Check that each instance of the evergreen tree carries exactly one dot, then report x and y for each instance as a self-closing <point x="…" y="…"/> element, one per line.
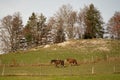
<point x="60" y="36"/>
<point x="41" y="30"/>
<point x="31" y="29"/>
<point x="94" y="23"/>
<point x="35" y="29"/>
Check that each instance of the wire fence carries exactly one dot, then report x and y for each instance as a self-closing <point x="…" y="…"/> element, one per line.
<point x="67" y="70"/>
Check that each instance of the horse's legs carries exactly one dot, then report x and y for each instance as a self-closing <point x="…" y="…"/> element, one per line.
<point x="75" y="62"/>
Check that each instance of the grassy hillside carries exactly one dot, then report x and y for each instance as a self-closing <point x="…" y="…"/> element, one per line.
<point x="82" y="50"/>
<point x="95" y="56"/>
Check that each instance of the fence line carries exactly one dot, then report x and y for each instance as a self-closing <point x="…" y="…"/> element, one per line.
<point x="70" y="71"/>
<point x="3" y="71"/>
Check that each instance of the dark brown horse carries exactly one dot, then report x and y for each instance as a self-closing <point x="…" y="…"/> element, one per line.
<point x="72" y="61"/>
<point x="57" y="62"/>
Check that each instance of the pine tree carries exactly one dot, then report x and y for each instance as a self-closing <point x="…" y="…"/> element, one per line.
<point x="35" y="29"/>
<point x="60" y="36"/>
<point x="41" y="30"/>
<point x="31" y="29"/>
<point x="94" y="23"/>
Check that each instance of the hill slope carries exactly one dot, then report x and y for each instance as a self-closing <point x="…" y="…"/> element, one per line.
<point x="82" y="50"/>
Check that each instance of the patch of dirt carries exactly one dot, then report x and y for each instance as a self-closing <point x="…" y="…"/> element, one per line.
<point x="46" y="46"/>
<point x="97" y="44"/>
<point x="63" y="44"/>
<point x="102" y="49"/>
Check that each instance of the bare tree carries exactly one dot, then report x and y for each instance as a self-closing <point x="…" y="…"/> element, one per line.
<point x="114" y="25"/>
<point x="17" y="28"/>
<point x="72" y="21"/>
<point x="68" y="17"/>
<point x="10" y="31"/>
<point x="81" y="21"/>
<point x="52" y="27"/>
<point x="6" y="33"/>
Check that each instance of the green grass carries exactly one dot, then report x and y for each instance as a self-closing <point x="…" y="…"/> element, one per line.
<point x="81" y="77"/>
<point x="79" y="50"/>
<point x="102" y="67"/>
<point x="105" y="52"/>
<point x="82" y="50"/>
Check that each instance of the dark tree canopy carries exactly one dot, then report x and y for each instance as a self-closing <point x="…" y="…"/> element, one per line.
<point x="94" y="23"/>
<point x="36" y="29"/>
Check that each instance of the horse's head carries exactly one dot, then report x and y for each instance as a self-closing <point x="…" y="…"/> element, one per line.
<point x="53" y="61"/>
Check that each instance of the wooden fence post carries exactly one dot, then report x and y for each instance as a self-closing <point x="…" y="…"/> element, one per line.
<point x="107" y="57"/>
<point x="0" y="62"/>
<point x="114" y="69"/>
<point x="3" y="70"/>
<point x="92" y="60"/>
<point x="93" y="71"/>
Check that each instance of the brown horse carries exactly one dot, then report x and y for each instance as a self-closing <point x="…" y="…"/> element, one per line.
<point x="57" y="62"/>
<point x="72" y="61"/>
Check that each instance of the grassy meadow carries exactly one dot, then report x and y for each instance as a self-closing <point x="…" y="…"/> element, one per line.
<point x="98" y="59"/>
<point x="82" y="77"/>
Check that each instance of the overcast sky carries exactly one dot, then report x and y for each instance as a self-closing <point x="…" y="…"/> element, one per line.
<point x="49" y="7"/>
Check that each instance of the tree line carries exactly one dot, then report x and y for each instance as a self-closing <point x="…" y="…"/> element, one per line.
<point x="65" y="24"/>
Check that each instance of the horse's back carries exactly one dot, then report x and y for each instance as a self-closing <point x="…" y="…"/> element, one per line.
<point x="71" y="60"/>
<point x="53" y="61"/>
<point x="58" y="62"/>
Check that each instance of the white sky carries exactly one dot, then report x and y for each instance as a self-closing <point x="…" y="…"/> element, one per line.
<point x="49" y="7"/>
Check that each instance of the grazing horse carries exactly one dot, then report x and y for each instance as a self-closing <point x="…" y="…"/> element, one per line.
<point x="57" y="62"/>
<point x="71" y="61"/>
